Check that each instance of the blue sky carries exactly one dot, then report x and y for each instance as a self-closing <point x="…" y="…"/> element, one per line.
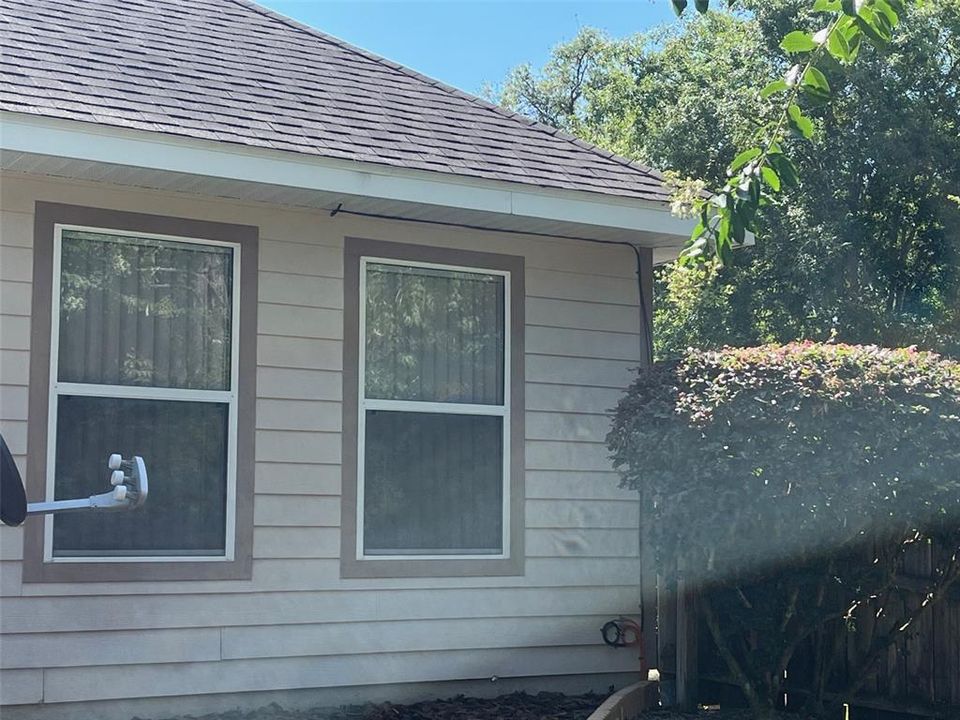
<point x="469" y="42"/>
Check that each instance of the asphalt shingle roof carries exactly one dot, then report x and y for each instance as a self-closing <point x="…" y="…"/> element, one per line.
<point x="232" y="71"/>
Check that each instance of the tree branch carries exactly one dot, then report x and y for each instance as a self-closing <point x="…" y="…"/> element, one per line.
<point x="758" y="706"/>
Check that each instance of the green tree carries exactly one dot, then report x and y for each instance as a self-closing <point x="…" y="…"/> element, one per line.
<point x="865" y="249"/>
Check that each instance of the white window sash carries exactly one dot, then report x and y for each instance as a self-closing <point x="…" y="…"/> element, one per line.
<point x="144" y="392"/>
<point x="364" y="404"/>
<point x="434" y="407"/>
<point x="224" y="397"/>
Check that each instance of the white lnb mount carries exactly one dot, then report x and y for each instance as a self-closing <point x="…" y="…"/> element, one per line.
<point x="129" y="481"/>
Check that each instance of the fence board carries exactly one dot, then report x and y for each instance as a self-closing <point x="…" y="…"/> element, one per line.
<point x="918" y="676"/>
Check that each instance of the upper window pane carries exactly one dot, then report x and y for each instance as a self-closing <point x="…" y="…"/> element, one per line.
<point x="434" y="335"/>
<point x="142" y="311"/>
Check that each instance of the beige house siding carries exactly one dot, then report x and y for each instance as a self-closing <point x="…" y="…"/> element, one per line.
<point x="296" y="623"/>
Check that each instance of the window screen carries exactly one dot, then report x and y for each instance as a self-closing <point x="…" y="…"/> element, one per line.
<point x="144" y="355"/>
<point x="433" y="410"/>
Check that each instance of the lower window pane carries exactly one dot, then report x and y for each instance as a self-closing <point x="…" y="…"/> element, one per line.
<point x="433" y="484"/>
<point x="184" y="446"/>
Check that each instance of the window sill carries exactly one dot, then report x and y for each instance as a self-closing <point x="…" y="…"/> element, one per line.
<point x="136" y="571"/>
<point x="370" y="568"/>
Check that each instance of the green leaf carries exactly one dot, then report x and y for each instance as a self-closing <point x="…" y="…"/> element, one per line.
<point x="814" y="77"/>
<point x="881" y="21"/>
<point x="771" y="178"/>
<point x="774" y="87"/>
<point x="697" y="231"/>
<point x="694" y="252"/>
<point x="679" y="6"/>
<point x="738" y="230"/>
<point x="747" y="212"/>
<point x="702" y="5"/>
<point x="844" y="24"/>
<point x="743" y="158"/>
<point x="838" y="46"/>
<point x="853" y="37"/>
<point x="800" y="123"/>
<point x="798" y="42"/>
<point x="815" y="84"/>
<point x="875" y="26"/>
<point x="785" y="169"/>
<point x="886" y="9"/>
<point x="849" y="7"/>
<point x="827" y="6"/>
<point x="723" y="238"/>
<point x="872" y="33"/>
<point x="725" y="253"/>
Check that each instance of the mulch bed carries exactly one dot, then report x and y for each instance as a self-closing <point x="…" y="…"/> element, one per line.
<point x="711" y="714"/>
<point x="516" y="706"/>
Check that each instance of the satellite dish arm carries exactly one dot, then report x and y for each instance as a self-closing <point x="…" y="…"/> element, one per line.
<point x="128" y="478"/>
<point x="130" y="488"/>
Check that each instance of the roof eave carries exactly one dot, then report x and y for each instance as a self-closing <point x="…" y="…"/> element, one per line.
<point x="644" y="222"/>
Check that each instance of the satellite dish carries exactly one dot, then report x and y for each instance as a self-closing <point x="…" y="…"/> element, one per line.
<point x="128" y="479"/>
<point x="13" y="499"/>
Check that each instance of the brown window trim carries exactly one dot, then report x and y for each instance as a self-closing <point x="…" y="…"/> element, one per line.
<point x="350" y="565"/>
<point x="47" y="216"/>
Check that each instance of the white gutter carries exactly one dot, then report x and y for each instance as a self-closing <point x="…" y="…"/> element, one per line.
<point x="20" y="132"/>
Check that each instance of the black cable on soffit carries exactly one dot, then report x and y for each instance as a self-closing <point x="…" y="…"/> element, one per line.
<point x="646" y="333"/>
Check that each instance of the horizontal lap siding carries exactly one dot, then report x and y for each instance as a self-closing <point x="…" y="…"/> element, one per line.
<point x="302" y="353"/>
<point x="295" y="479"/>
<point x="278" y="288"/>
<point x="120" y="647"/>
<point x="235" y="676"/>
<point x="21" y="687"/>
<point x="14" y="367"/>
<point x="409" y="636"/>
<point x="296" y="623"/>
<point x="306" y="415"/>
<point x="309" y="575"/>
<point x="15" y="433"/>
<point x="75" y="613"/>
<point x="15" y="297"/>
<point x="281" y="543"/>
<point x="16" y="273"/>
<point x="16" y="332"/>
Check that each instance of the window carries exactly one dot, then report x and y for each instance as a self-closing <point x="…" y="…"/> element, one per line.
<point x="145" y="358"/>
<point x="145" y="346"/>
<point x="434" y="458"/>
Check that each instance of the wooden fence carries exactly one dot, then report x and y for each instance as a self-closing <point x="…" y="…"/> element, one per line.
<point x="918" y="676"/>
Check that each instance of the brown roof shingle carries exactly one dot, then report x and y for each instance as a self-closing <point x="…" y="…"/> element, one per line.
<point x="232" y="71"/>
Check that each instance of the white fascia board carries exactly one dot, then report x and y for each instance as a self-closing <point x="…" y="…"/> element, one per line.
<point x="100" y="143"/>
<point x="609" y="214"/>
